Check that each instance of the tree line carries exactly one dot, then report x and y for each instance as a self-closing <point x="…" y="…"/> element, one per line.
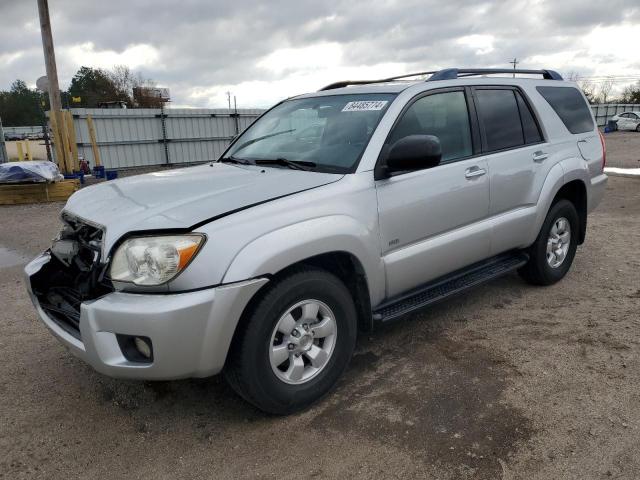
<point x="89" y="88"/>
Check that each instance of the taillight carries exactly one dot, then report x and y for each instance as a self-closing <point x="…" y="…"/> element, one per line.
<point x="604" y="150"/>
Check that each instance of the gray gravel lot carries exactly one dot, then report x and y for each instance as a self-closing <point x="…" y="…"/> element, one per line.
<point x="508" y="381"/>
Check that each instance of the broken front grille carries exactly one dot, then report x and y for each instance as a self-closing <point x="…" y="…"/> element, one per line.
<point x="74" y="274"/>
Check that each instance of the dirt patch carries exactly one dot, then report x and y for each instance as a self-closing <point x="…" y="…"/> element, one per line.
<point x="442" y="402"/>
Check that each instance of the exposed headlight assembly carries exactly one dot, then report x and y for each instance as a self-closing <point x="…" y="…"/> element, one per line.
<point x="154" y="260"/>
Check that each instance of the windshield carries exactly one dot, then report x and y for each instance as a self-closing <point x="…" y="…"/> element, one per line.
<point x="326" y="133"/>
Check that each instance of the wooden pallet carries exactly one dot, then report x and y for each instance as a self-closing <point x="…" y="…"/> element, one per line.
<point x="18" y="193"/>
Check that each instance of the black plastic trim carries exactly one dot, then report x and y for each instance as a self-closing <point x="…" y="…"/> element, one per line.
<point x="449" y="285"/>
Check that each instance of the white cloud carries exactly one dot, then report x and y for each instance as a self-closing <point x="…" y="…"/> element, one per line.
<point x="86" y="54"/>
<point x="481" y="44"/>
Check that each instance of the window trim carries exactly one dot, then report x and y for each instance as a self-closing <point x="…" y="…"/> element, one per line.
<point x="473" y="128"/>
<point x="527" y="101"/>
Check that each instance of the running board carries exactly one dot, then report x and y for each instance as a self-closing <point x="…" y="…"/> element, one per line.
<point x="449" y="285"/>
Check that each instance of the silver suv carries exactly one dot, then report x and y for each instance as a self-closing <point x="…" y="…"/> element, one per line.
<point x="334" y="212"/>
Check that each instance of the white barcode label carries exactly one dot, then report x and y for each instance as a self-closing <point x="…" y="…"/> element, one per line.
<point x="364" y="106"/>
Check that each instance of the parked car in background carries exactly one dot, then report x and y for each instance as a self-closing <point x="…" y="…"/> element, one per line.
<point x="628" y="121"/>
<point x="334" y="212"/>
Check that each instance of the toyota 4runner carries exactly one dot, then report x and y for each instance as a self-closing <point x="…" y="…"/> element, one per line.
<point x="335" y="211"/>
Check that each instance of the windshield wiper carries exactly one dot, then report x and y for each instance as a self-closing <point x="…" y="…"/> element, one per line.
<point x="264" y="137"/>
<point x="293" y="164"/>
<point x="233" y="159"/>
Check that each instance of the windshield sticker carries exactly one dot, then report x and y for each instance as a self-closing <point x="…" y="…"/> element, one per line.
<point x="364" y="106"/>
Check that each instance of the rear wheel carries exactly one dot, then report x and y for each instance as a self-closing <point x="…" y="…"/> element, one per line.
<point x="638" y="128"/>
<point x="551" y="255"/>
<point x="294" y="343"/>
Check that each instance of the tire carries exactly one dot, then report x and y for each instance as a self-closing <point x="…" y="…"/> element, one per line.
<point x="250" y="369"/>
<point x="638" y="128"/>
<point x="540" y="269"/>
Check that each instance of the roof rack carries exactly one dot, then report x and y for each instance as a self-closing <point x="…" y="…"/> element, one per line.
<point x="449" y="74"/>
<point x="453" y="73"/>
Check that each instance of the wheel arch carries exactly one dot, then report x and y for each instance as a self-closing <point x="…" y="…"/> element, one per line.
<point x="576" y="192"/>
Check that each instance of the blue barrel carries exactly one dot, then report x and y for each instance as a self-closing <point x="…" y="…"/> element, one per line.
<point x="111" y="174"/>
<point x="98" y="171"/>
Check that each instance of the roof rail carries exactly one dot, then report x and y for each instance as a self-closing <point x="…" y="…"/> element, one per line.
<point x="448" y="74"/>
<point x="346" y="83"/>
<point x="453" y="73"/>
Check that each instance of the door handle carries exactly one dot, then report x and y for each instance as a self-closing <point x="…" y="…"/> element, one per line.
<point x="473" y="172"/>
<point x="540" y="156"/>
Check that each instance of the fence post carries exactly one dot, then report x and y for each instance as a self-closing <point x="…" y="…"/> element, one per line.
<point x="27" y="145"/>
<point x="4" y="157"/>
<point x="164" y="134"/>
<point x="94" y="144"/>
<point x="73" y="146"/>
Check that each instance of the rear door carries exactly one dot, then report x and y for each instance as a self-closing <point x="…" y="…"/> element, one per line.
<point x="517" y="156"/>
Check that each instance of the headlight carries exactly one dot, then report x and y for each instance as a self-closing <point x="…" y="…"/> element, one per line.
<point x="154" y="260"/>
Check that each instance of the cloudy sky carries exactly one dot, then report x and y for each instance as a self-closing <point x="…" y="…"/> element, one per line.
<point x="265" y="51"/>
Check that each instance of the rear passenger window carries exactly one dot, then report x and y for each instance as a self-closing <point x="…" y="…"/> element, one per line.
<point x="529" y="126"/>
<point x="499" y="115"/>
<point x="570" y="106"/>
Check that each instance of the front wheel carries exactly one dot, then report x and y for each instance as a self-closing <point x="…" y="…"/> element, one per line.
<point x="552" y="253"/>
<point x="294" y="343"/>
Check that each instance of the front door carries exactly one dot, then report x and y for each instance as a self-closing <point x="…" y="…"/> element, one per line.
<point x="434" y="221"/>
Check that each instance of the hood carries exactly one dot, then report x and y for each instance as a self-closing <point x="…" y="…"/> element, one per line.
<point x="186" y="197"/>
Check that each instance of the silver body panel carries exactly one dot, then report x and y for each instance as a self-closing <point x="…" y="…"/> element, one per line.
<point x="404" y="230"/>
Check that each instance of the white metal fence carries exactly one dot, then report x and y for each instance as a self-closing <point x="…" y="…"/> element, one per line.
<point x="23" y="130"/>
<point x="145" y="136"/>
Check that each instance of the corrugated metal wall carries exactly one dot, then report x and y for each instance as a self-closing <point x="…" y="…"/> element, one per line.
<point x="143" y="137"/>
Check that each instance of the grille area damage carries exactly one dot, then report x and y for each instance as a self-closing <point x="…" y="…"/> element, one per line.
<point x="73" y="275"/>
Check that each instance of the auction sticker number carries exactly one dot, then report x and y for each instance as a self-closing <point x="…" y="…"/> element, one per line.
<point x="364" y="106"/>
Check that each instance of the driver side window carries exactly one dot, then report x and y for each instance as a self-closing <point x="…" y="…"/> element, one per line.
<point x="444" y="115"/>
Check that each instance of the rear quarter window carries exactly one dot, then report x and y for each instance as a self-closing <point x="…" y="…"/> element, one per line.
<point x="570" y="106"/>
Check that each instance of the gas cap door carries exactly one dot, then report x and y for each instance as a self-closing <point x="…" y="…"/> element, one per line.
<point x="590" y="147"/>
<point x="591" y="151"/>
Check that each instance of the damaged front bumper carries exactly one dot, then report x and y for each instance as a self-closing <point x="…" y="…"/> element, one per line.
<point x="189" y="333"/>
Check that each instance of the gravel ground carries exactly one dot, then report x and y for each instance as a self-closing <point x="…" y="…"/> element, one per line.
<point x="623" y="149"/>
<point x="508" y="381"/>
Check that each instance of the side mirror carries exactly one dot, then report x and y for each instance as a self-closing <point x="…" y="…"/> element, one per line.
<point x="414" y="152"/>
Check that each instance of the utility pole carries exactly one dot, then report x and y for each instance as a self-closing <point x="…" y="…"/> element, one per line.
<point x="514" y="63"/>
<point x="229" y="100"/>
<point x="54" y="89"/>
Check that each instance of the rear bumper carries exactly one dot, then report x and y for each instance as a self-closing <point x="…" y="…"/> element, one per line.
<point x="190" y="332"/>
<point x="596" y="191"/>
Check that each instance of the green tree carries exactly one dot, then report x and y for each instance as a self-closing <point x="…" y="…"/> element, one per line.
<point x="21" y="106"/>
<point x="631" y="94"/>
<point x="94" y="86"/>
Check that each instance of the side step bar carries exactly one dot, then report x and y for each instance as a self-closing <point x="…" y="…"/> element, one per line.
<point x="449" y="285"/>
